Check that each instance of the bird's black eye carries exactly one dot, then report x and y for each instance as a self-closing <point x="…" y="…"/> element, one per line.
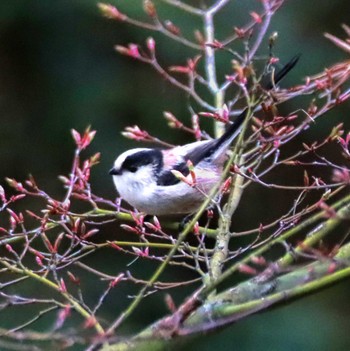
<point x="132" y="169"/>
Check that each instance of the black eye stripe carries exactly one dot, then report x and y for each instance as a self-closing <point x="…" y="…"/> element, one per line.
<point x="143" y="158"/>
<point x="132" y="169"/>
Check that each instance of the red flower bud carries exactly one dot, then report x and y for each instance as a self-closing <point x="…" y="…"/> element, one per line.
<point x="256" y="17"/>
<point x="244" y="268"/>
<point x="151" y="45"/>
<point x="62" y="286"/>
<point x="172" y="28"/>
<point x="116" y="280"/>
<point x="149" y="8"/>
<point x="111" y="12"/>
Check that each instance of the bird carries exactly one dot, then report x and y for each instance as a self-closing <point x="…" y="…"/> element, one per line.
<point x="145" y="179"/>
<point x="148" y="178"/>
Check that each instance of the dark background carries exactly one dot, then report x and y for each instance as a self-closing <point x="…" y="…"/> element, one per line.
<point x="58" y="70"/>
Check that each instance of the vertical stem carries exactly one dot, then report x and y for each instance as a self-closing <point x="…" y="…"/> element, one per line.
<point x="210" y="52"/>
<point x="219" y="102"/>
<point x="210" y="66"/>
<point x="223" y="236"/>
<point x="223" y="233"/>
<point x="218" y="6"/>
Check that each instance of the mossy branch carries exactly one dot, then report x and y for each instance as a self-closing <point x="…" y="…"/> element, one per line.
<point x="247" y="298"/>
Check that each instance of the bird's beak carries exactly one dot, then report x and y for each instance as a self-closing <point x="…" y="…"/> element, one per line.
<point x="115" y="171"/>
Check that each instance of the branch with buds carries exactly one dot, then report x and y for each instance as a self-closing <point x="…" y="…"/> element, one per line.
<point x="51" y="242"/>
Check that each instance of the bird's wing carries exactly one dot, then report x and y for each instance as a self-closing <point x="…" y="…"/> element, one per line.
<point x="176" y="159"/>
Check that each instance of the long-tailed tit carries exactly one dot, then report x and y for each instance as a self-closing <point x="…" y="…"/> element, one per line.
<point x="145" y="179"/>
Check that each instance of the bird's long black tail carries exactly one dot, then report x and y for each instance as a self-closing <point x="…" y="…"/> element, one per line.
<point x="281" y="73"/>
<point x="233" y="129"/>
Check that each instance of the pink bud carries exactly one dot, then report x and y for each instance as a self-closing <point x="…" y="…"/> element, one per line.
<point x="199" y="37"/>
<point x="151" y="226"/>
<point x="292" y="117"/>
<point x="240" y="32"/>
<point x="87" y="138"/>
<point x="226" y="186"/>
<point x="196" y="127"/>
<point x="90" y="322"/>
<point x="128" y="228"/>
<point x="273" y="60"/>
<point x="172" y="28"/>
<point x="138" y="218"/>
<point x="13" y="223"/>
<point x="134" y="51"/>
<point x="192" y="63"/>
<point x="114" y="246"/>
<point x="244" y="268"/>
<point x="170" y="303"/>
<point x="347" y="139"/>
<point x="215" y="45"/>
<point x="17" y="197"/>
<point x="62" y="316"/>
<point x="210" y="213"/>
<point x="156" y="222"/>
<point x="39" y="261"/>
<point x="36" y="253"/>
<point x="139" y="252"/>
<point x="16" y="218"/>
<point x="76" y="137"/>
<point x="196" y="229"/>
<point x="236" y="169"/>
<point x="73" y="278"/>
<point x="259" y="260"/>
<point x="256" y="17"/>
<point x="9" y="248"/>
<point x="151" y="45"/>
<point x="111" y="12"/>
<point x="224" y="113"/>
<point x="320" y="84"/>
<point x="180" y="69"/>
<point x="116" y="280"/>
<point x="341" y="175"/>
<point x="192" y="171"/>
<point x="90" y="233"/>
<point x="173" y="122"/>
<point x="149" y="8"/>
<point x="62" y="286"/>
<point x="135" y="133"/>
<point x="14" y="184"/>
<point x="215" y="115"/>
<point x="58" y="242"/>
<point x="332" y="267"/>
<point x="122" y="49"/>
<point x="2" y="194"/>
<point x="276" y="143"/>
<point x="329" y="212"/>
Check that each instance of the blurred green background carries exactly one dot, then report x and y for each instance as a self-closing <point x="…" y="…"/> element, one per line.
<point x="58" y="70"/>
